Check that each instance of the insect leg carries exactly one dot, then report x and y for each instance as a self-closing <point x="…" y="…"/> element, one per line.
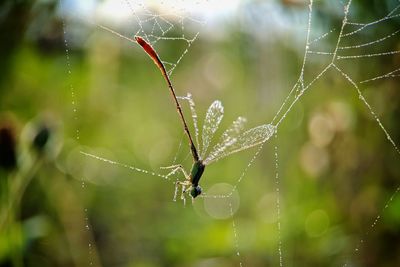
<point x="176" y="168"/>
<point x="185" y="184"/>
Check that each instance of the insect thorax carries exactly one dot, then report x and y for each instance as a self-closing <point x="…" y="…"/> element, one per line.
<point x="196" y="172"/>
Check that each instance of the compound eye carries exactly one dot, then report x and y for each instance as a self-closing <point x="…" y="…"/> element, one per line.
<point x="195" y="191"/>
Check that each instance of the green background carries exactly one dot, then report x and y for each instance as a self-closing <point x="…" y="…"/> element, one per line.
<point x="337" y="170"/>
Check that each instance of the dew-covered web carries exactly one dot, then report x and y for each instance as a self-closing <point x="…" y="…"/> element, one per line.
<point x="161" y="27"/>
<point x="177" y="25"/>
<point x="157" y="27"/>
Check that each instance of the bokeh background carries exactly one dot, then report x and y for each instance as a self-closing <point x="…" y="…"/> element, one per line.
<point x="68" y="85"/>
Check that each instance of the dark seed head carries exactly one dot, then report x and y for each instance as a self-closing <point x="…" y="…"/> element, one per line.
<point x="195" y="191"/>
<point x="8" y="145"/>
<point x="41" y="138"/>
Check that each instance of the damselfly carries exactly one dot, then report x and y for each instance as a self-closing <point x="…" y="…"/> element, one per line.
<point x="232" y="140"/>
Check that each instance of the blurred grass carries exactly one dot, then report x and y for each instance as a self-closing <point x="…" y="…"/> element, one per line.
<point x="336" y="168"/>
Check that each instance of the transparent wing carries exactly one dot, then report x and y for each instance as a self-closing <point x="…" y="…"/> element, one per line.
<point x="248" y="139"/>
<point x="194" y="117"/>
<point x="229" y="136"/>
<point x="213" y="118"/>
<point x="192" y="106"/>
<point x="231" y="133"/>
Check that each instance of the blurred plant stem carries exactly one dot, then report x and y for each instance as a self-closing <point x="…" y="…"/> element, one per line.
<point x="13" y="189"/>
<point x="72" y="215"/>
<point x="62" y="197"/>
<point x="36" y="160"/>
<point x="17" y="184"/>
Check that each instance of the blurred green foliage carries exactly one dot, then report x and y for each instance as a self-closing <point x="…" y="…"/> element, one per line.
<point x="337" y="171"/>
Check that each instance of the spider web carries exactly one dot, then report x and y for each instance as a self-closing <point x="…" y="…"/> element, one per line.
<point x="158" y="27"/>
<point x="164" y="27"/>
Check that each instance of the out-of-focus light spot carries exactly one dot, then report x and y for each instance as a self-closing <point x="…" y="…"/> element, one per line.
<point x="342" y="115"/>
<point x="314" y="160"/>
<point x="221" y="208"/>
<point x="267" y="208"/>
<point x="321" y="129"/>
<point x="317" y="223"/>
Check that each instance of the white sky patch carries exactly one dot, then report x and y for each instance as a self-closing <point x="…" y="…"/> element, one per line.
<point x="122" y="11"/>
<point x="116" y="12"/>
<point x="80" y="9"/>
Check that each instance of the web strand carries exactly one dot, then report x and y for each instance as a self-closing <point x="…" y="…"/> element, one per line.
<point x="362" y="98"/>
<point x="387" y="17"/>
<point x="370" y="43"/>
<point x="374" y="223"/>
<point x="235" y="234"/>
<point x="387" y="75"/>
<point x="278" y="203"/>
<point x="126" y="166"/>
<point x="160" y="28"/>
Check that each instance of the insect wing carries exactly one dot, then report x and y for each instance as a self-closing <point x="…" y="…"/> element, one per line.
<point x="248" y="139"/>
<point x="213" y="118"/>
<point x="194" y="118"/>
<point x="228" y="137"/>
